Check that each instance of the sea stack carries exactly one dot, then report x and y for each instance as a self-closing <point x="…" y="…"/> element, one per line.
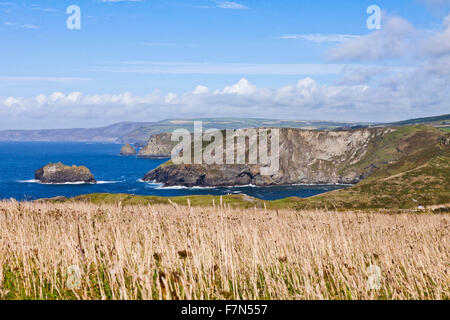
<point x="159" y="146"/>
<point x="127" y="150"/>
<point x="54" y="173"/>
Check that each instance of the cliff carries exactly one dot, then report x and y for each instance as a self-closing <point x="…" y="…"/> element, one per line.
<point x="306" y="157"/>
<point x="159" y="146"/>
<point x="60" y="173"/>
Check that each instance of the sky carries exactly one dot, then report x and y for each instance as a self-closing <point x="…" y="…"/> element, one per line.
<point x="148" y="60"/>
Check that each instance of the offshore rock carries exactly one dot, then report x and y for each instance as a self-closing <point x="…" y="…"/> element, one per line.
<point x="159" y="146"/>
<point x="127" y="150"/>
<point x="55" y="173"/>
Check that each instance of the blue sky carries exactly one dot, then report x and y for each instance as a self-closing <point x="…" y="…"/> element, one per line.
<point x="152" y="59"/>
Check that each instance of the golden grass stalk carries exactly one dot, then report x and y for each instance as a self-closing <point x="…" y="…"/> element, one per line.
<point x="85" y="251"/>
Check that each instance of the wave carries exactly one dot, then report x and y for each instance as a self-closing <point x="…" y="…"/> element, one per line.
<point x="66" y="183"/>
<point x="246" y="186"/>
<point x="161" y="187"/>
<point x="150" y="183"/>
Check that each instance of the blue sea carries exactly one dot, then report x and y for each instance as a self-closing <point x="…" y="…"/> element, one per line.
<point x="114" y="173"/>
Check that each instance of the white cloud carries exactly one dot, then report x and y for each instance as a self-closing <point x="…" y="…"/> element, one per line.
<point x="392" y="41"/>
<point x="392" y="98"/>
<point x="223" y="5"/>
<point x="231" y="5"/>
<point x="11" y="101"/>
<point x="243" y="87"/>
<point x="428" y="51"/>
<point x="57" y="96"/>
<point x="321" y="38"/>
<point x="355" y="75"/>
<point x="41" y="99"/>
<point x="74" y="97"/>
<point x="23" y="26"/>
<point x="439" y="44"/>
<point x="201" y="90"/>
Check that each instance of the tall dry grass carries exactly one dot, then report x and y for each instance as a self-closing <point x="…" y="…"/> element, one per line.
<point x="170" y="252"/>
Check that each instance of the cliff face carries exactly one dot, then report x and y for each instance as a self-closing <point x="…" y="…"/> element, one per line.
<point x="306" y="157"/>
<point x="60" y="173"/>
<point x="159" y="146"/>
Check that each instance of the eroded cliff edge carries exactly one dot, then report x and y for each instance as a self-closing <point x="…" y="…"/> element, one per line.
<point x="306" y="157"/>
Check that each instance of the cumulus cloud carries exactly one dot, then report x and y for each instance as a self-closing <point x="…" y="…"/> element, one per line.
<point x="243" y="87"/>
<point x="391" y="99"/>
<point x="201" y="90"/>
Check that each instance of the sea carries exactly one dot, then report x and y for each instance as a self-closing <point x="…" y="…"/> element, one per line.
<point x="114" y="173"/>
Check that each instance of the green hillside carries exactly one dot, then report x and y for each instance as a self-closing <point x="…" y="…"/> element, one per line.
<point x="413" y="170"/>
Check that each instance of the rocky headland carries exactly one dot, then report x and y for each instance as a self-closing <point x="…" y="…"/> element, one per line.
<point x="306" y="157"/>
<point x="56" y="173"/>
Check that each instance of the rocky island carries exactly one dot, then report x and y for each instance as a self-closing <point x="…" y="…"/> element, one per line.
<point x="55" y="173"/>
<point x="127" y="150"/>
<point x="159" y="146"/>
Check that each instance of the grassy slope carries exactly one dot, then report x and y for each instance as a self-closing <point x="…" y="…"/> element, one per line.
<point x="411" y="168"/>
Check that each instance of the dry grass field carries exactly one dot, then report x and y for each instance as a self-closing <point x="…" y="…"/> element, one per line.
<point x="87" y="251"/>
